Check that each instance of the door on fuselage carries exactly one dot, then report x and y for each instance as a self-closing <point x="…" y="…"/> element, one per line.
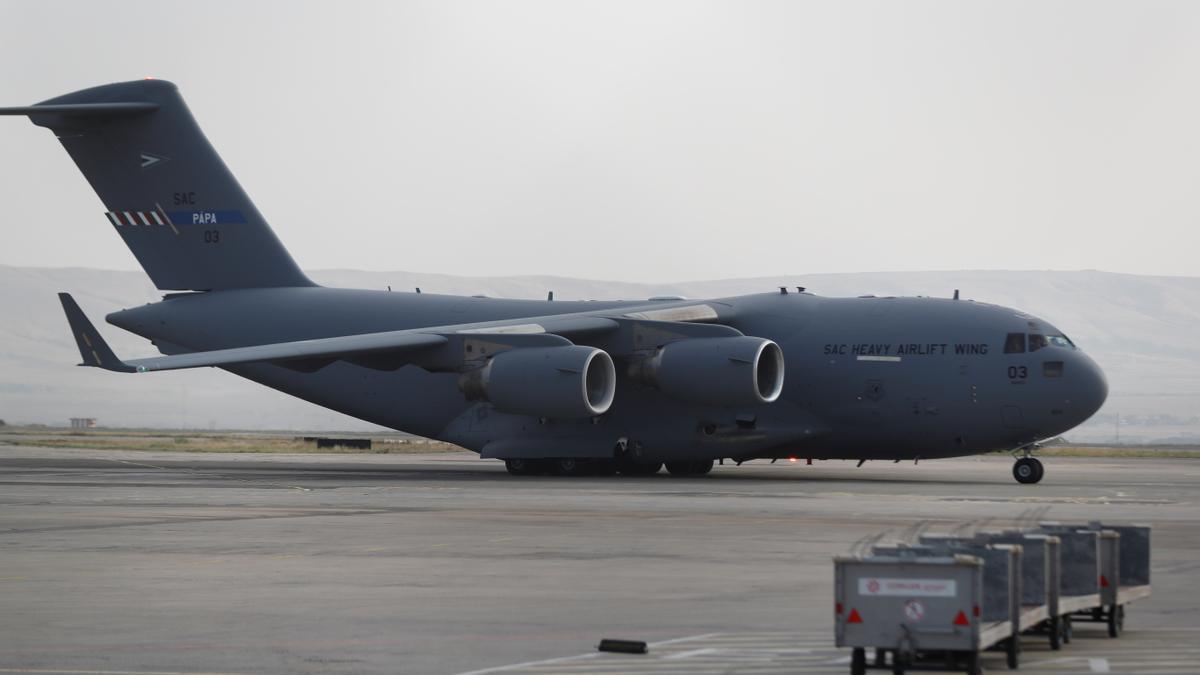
<point x="1011" y="415"/>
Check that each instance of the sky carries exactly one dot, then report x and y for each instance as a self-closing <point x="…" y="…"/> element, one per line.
<point x="646" y="141"/>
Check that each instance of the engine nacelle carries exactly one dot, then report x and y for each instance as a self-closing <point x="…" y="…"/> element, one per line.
<point x="725" y="371"/>
<point x="563" y="382"/>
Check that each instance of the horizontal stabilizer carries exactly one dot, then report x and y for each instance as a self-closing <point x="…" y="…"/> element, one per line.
<point x="87" y="109"/>
<point x="92" y="348"/>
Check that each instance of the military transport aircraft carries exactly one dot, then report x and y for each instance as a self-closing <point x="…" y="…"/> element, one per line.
<point x="553" y="387"/>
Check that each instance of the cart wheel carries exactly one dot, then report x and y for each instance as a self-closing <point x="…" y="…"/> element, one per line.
<point x="1116" y="620"/>
<point x="880" y="657"/>
<point x="1012" y="653"/>
<point x="1055" y="629"/>
<point x="1068" y="629"/>
<point x="973" y="667"/>
<point x="858" y="661"/>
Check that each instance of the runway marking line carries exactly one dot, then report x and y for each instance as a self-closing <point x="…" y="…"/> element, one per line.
<point x="1094" y="664"/>
<point x="692" y="652"/>
<point x="580" y="657"/>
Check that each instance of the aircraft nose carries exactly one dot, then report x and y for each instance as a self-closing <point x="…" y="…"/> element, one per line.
<point x="1090" y="388"/>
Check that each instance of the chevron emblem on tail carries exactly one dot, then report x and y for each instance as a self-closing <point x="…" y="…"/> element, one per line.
<point x="150" y="160"/>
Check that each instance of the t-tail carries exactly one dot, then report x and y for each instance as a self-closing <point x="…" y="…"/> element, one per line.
<point x="165" y="190"/>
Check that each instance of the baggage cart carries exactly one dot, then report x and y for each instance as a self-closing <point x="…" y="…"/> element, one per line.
<point x="1022" y="619"/>
<point x="1039" y="563"/>
<point x="1078" y="574"/>
<point x="925" y="609"/>
<point x="1124" y="572"/>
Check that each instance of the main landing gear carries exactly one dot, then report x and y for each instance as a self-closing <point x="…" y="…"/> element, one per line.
<point x="1028" y="470"/>
<point x="572" y="466"/>
<point x="562" y="466"/>
<point x="525" y="467"/>
<point x="696" y="467"/>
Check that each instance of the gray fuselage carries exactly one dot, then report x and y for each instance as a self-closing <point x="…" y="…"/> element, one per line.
<point x="866" y="378"/>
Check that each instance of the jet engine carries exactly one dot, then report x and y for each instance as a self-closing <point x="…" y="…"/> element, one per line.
<point x="725" y="371"/>
<point x="561" y="382"/>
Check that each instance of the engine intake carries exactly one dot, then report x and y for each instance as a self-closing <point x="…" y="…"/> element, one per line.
<point x="564" y="382"/>
<point x="725" y="371"/>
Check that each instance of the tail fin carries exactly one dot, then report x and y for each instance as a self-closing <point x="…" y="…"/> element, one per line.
<point x="166" y="191"/>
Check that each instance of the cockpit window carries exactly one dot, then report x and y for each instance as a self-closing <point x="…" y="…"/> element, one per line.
<point x="1037" y="341"/>
<point x="1014" y="343"/>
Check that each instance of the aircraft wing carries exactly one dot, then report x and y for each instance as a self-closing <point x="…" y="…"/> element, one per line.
<point x="389" y="349"/>
<point x="96" y="352"/>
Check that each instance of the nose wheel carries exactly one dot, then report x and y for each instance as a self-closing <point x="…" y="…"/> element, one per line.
<point x="1028" y="470"/>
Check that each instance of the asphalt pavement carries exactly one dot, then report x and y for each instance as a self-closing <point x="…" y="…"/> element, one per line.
<point x="136" y="562"/>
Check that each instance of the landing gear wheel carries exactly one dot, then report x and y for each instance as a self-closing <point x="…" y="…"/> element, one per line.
<point x="631" y="467"/>
<point x="697" y="467"/>
<point x="858" y="661"/>
<point x="1028" y="470"/>
<point x="571" y="466"/>
<point x="524" y="467"/>
<point x="1116" y="620"/>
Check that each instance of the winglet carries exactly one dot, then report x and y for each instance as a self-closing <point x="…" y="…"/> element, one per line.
<point x="92" y="348"/>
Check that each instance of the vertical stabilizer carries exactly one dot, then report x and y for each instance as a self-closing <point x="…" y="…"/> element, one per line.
<point x="165" y="190"/>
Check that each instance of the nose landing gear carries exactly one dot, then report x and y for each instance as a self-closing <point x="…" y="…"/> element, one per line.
<point x="1028" y="470"/>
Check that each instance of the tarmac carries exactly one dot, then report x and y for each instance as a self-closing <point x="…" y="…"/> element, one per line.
<point x="137" y="562"/>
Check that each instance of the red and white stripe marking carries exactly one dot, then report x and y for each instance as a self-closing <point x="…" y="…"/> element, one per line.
<point x="135" y="218"/>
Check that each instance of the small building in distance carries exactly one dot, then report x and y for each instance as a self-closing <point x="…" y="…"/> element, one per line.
<point x="83" y="422"/>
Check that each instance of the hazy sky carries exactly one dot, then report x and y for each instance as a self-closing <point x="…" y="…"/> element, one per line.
<point x="646" y="141"/>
